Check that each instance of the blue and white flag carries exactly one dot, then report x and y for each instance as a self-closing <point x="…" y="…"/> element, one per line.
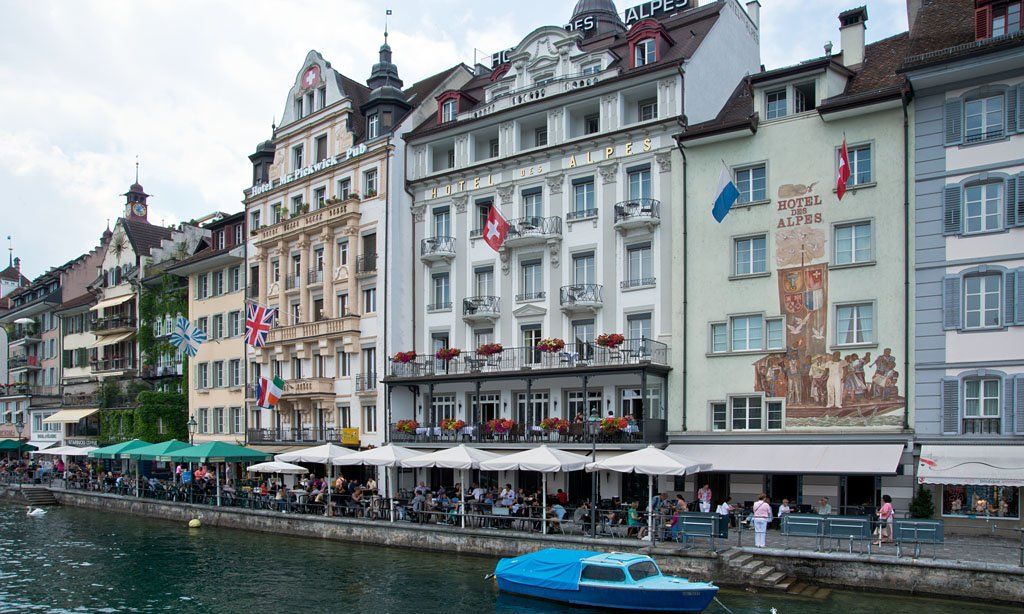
<point x="725" y="195"/>
<point x="187" y="336"/>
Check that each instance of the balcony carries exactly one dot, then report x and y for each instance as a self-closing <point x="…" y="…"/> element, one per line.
<point x="309" y="386"/>
<point x="981" y="426"/>
<point x="631" y="353"/>
<point x="113" y="324"/>
<point x="582" y="298"/>
<point x="112" y="364"/>
<point x="366" y="265"/>
<point x="334" y="327"/>
<point x="24" y="334"/>
<point x="291" y="282"/>
<point x="252" y="291"/>
<point x="23" y="388"/>
<point x="435" y="249"/>
<point x="290" y="436"/>
<point x="307" y="223"/>
<point x="526" y="231"/>
<point x="525" y="297"/>
<point x="24" y="363"/>
<point x="636" y="283"/>
<point x="638" y="213"/>
<point x="158" y="371"/>
<point x="366" y="383"/>
<point x="580" y="434"/>
<point x="315" y="276"/>
<point x="98" y="399"/>
<point x="481" y="308"/>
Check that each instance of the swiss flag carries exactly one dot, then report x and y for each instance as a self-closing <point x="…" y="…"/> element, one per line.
<point x="844" y="171"/>
<point x="495" y="229"/>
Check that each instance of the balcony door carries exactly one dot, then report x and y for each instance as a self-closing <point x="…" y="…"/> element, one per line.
<point x="583" y="339"/>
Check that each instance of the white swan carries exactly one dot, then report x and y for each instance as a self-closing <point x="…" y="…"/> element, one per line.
<point x="35" y="512"/>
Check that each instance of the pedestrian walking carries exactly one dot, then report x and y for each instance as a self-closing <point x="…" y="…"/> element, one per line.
<point x="704" y="498"/>
<point x="762" y="516"/>
<point x="885" y="516"/>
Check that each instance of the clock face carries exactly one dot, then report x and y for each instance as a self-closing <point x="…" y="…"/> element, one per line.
<point x="139" y="209"/>
<point x="311" y="77"/>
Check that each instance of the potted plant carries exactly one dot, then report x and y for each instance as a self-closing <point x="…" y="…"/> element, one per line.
<point x="613" y="425"/>
<point x="447" y="354"/>
<point x="498" y="426"/>
<point x="553" y="425"/>
<point x="404" y="357"/>
<point x="610" y="341"/>
<point x="489" y="349"/>
<point x="407" y="426"/>
<point x="371" y="193"/>
<point x="551" y="345"/>
<point x="451" y="424"/>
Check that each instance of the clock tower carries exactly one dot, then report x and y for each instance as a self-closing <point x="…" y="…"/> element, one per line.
<point x="135" y="207"/>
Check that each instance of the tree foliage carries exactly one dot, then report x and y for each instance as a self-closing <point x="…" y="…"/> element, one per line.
<point x="921" y="506"/>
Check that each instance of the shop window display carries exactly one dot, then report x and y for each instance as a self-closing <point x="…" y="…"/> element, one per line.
<point x="970" y="501"/>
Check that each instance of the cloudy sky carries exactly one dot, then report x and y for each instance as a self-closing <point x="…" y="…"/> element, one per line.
<point x="192" y="86"/>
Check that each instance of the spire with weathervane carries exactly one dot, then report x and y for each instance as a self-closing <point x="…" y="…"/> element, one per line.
<point x="387" y="102"/>
<point x="135" y="206"/>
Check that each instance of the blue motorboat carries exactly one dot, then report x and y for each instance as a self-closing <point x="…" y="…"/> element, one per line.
<point x="604" y="580"/>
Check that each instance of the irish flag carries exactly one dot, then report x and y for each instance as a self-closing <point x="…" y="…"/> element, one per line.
<point x="268" y="392"/>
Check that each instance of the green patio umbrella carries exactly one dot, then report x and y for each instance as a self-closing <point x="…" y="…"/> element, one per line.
<point x="16" y="445"/>
<point x="114" y="451"/>
<point x="156" y="450"/>
<point x="218" y="452"/>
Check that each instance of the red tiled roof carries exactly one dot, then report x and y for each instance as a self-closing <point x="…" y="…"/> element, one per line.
<point x="78" y="301"/>
<point x="144" y="236"/>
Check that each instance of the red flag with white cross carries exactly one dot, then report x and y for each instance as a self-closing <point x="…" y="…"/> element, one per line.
<point x="495" y="229"/>
<point x="844" y="170"/>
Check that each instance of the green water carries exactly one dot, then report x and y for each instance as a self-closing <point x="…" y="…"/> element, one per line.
<point x="75" y="560"/>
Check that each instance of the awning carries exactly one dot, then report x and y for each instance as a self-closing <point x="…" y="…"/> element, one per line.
<point x="41" y="445"/>
<point x="843" y="459"/>
<point x="986" y="465"/>
<point x="112" y="339"/>
<point x="112" y="302"/>
<point x="69" y="416"/>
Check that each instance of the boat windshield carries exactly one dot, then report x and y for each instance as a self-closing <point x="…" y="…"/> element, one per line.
<point x="603" y="574"/>
<point x="644" y="569"/>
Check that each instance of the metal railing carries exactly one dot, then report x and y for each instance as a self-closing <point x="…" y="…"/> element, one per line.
<point x="439" y="246"/>
<point x="481" y="305"/>
<point x="113" y="364"/>
<point x="584" y="214"/>
<point x="284" y="434"/>
<point x="531" y="296"/>
<point x="581" y="293"/>
<point x="367" y="263"/>
<point x="574" y="355"/>
<point x="981" y="426"/>
<point x="639" y="282"/>
<point x="24" y="331"/>
<point x="17" y="362"/>
<point x="477" y="432"/>
<point x="315" y="276"/>
<point x="291" y="282"/>
<point x="252" y="291"/>
<point x="541" y="227"/>
<point x="638" y="209"/>
<point x="366" y="382"/>
<point x="114" y="322"/>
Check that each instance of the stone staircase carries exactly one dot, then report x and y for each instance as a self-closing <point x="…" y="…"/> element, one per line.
<point x="762" y="574"/>
<point x="38" y="495"/>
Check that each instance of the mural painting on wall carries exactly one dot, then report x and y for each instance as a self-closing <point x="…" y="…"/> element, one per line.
<point x="822" y="387"/>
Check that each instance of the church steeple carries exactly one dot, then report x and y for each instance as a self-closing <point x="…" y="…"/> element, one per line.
<point x="384" y="72"/>
<point x="387" y="103"/>
<point x="135" y="206"/>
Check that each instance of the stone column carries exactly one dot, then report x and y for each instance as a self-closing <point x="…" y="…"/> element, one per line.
<point x="354" y="245"/>
<point x="329" y="299"/>
<point x="303" y="246"/>
<point x="282" y="263"/>
<point x="260" y="257"/>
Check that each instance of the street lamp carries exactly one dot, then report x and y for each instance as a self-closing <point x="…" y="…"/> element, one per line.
<point x="20" y="424"/>
<point x="192" y="426"/>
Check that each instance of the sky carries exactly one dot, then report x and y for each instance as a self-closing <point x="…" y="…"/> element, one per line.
<point x="191" y="86"/>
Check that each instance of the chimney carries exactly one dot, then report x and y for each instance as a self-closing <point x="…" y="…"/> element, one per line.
<point x="754" y="12"/>
<point x="913" y="6"/>
<point x="852" y="23"/>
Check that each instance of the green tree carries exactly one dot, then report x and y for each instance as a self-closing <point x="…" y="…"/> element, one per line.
<point x="921" y="506"/>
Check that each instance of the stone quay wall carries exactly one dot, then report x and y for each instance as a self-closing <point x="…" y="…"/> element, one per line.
<point x="963" y="580"/>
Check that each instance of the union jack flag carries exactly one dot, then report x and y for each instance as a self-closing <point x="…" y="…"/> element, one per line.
<point x="258" y="320"/>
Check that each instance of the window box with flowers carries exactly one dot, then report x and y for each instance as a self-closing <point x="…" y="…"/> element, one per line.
<point x="555" y="425"/>
<point x="498" y="427"/>
<point x="550" y="346"/>
<point x="452" y="425"/>
<point x="447" y="354"/>
<point x="489" y="349"/>
<point x="610" y="341"/>
<point x="611" y="426"/>
<point x="407" y="426"/>
<point x="404" y="357"/>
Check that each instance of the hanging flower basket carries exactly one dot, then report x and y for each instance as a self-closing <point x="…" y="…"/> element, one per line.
<point x="404" y="357"/>
<point x="550" y="346"/>
<point x="489" y="349"/>
<point x="613" y="425"/>
<point x="551" y="425"/>
<point x="451" y="424"/>
<point x="407" y="426"/>
<point x="447" y="353"/>
<point x="498" y="426"/>
<point x="610" y="341"/>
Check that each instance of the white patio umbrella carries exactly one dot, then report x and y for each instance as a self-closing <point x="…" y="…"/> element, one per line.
<point x="65" y="451"/>
<point x="650" y="461"/>
<point x="325" y="454"/>
<point x="543" y="459"/>
<point x="389" y="456"/>
<point x="460" y="457"/>
<point x="275" y="467"/>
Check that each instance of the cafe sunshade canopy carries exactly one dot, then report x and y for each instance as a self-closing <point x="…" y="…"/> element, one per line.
<point x="114" y="451"/>
<point x="66" y="451"/>
<point x="112" y="302"/>
<point x="459" y="457"/>
<point x="275" y="467"/>
<point x="650" y="461"/>
<point x="215" y="452"/>
<point x="14" y="445"/>
<point x="70" y="416"/>
<point x="384" y="456"/>
<point x="845" y="459"/>
<point x="111" y="339"/>
<point x="324" y="455"/>
<point x="973" y="465"/>
<point x="541" y="458"/>
<point x="156" y="450"/>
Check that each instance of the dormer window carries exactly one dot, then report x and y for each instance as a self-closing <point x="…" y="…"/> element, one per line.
<point x="775" y="104"/>
<point x="803" y="97"/>
<point x="373" y="126"/>
<point x="648" y="41"/>
<point x="997" y="19"/>
<point x="645" y="52"/>
<point x="591" y="69"/>
<point x="449" y="109"/>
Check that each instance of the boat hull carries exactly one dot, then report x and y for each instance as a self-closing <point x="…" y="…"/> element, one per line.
<point x="694" y="599"/>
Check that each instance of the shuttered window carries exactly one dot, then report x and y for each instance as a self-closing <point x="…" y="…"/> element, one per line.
<point x="988" y="202"/>
<point x="983" y="298"/>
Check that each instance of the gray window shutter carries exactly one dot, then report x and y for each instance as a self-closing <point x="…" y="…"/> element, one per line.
<point x="1011" y="111"/>
<point x="950" y="406"/>
<point x="954" y="117"/>
<point x="1019" y="273"/>
<point x="951" y="210"/>
<point x="1018" y="402"/>
<point x="1009" y="298"/>
<point x="951" y="302"/>
<point x="1020" y="198"/>
<point x="1010" y="197"/>
<point x="1020" y="107"/>
<point x="1008" y="405"/>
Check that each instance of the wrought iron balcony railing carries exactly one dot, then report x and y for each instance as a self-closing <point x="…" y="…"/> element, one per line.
<point x="482" y="306"/>
<point x="638" y="211"/>
<point x="585" y="294"/>
<point x="366" y="264"/>
<point x="437" y="248"/>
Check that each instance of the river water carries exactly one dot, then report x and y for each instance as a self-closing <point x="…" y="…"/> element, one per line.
<point x="75" y="560"/>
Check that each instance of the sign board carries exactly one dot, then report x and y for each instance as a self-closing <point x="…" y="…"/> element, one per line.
<point x="350" y="153"/>
<point x="349" y="437"/>
<point x="653" y="9"/>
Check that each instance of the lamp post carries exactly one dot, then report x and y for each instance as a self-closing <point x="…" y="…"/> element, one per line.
<point x="192" y="426"/>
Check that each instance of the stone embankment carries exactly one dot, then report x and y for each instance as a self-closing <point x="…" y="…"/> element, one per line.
<point x="805" y="572"/>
